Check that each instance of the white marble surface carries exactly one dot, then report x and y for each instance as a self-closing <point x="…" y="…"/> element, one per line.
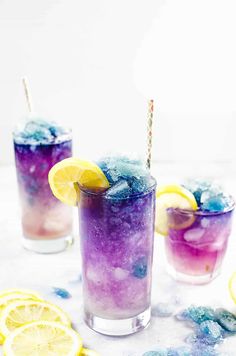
<point x="23" y="269"/>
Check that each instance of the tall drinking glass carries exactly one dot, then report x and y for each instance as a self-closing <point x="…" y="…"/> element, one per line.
<point x="46" y="222"/>
<point x="117" y="249"/>
<point x="196" y="243"/>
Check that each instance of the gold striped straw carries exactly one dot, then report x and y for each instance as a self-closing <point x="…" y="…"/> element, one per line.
<point x="149" y="133"/>
<point x="27" y="95"/>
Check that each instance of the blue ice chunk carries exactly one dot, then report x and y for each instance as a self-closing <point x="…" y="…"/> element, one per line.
<point x="38" y="131"/>
<point x="163" y="309"/>
<point x="197" y="314"/>
<point x="226" y="319"/>
<point x="197" y="187"/>
<point x="133" y="172"/>
<point x="216" y="203"/>
<point x="61" y="292"/>
<point x="120" y="189"/>
<point x="140" y="268"/>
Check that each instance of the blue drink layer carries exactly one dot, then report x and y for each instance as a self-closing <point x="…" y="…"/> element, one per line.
<point x="117" y="229"/>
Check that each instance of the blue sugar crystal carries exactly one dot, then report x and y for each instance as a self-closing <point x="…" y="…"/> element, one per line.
<point x="140" y="268"/>
<point x="197" y="314"/>
<point x="163" y="309"/>
<point x="120" y="189"/>
<point x="226" y="319"/>
<point x="210" y="332"/>
<point x="61" y="292"/>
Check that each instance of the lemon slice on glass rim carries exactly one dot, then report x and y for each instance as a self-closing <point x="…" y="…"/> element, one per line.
<point x="43" y="338"/>
<point x="20" y="312"/>
<point x="64" y="175"/>
<point x="172" y="196"/>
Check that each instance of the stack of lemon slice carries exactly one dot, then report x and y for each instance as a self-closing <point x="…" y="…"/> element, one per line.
<point x="30" y="326"/>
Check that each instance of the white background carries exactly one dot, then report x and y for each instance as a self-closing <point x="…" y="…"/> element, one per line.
<point x="93" y="64"/>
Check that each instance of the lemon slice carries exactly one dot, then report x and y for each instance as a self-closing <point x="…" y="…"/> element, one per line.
<point x="5" y="299"/>
<point x="232" y="287"/>
<point x="87" y="352"/>
<point x="43" y="338"/>
<point x="172" y="196"/>
<point x="20" y="292"/>
<point x="18" y="313"/>
<point x="65" y="174"/>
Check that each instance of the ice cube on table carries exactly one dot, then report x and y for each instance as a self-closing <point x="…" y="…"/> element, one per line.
<point x="210" y="332"/>
<point x="197" y="314"/>
<point x="226" y="319"/>
<point x="163" y="309"/>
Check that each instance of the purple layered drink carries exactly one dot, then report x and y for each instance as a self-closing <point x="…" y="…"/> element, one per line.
<point x="116" y="230"/>
<point x="46" y="222"/>
<point x="197" y="240"/>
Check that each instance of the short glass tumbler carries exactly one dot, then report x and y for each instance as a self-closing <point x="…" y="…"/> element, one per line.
<point x="117" y="249"/>
<point x="46" y="222"/>
<point x="196" y="243"/>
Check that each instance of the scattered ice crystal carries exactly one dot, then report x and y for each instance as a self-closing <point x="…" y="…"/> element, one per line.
<point x="61" y="292"/>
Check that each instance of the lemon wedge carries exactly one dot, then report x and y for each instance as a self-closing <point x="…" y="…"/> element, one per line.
<point x="43" y="338"/>
<point x="21" y="312"/>
<point x="65" y="174"/>
<point x="171" y="196"/>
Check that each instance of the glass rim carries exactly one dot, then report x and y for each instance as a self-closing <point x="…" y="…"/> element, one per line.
<point x="103" y="192"/>
<point x="199" y="212"/>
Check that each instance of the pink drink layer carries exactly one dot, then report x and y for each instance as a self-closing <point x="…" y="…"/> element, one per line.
<point x="117" y="248"/>
<point x="198" y="249"/>
<point x="43" y="216"/>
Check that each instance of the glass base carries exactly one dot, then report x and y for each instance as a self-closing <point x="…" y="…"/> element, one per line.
<point x="47" y="246"/>
<point x="190" y="279"/>
<point x="118" y="327"/>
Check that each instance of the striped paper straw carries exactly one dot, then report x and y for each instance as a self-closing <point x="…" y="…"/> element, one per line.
<point x="149" y="133"/>
<point x="27" y="94"/>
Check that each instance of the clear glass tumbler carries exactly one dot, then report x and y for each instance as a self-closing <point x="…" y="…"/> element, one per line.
<point x="196" y="243"/>
<point x="117" y="248"/>
<point x="46" y="222"/>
